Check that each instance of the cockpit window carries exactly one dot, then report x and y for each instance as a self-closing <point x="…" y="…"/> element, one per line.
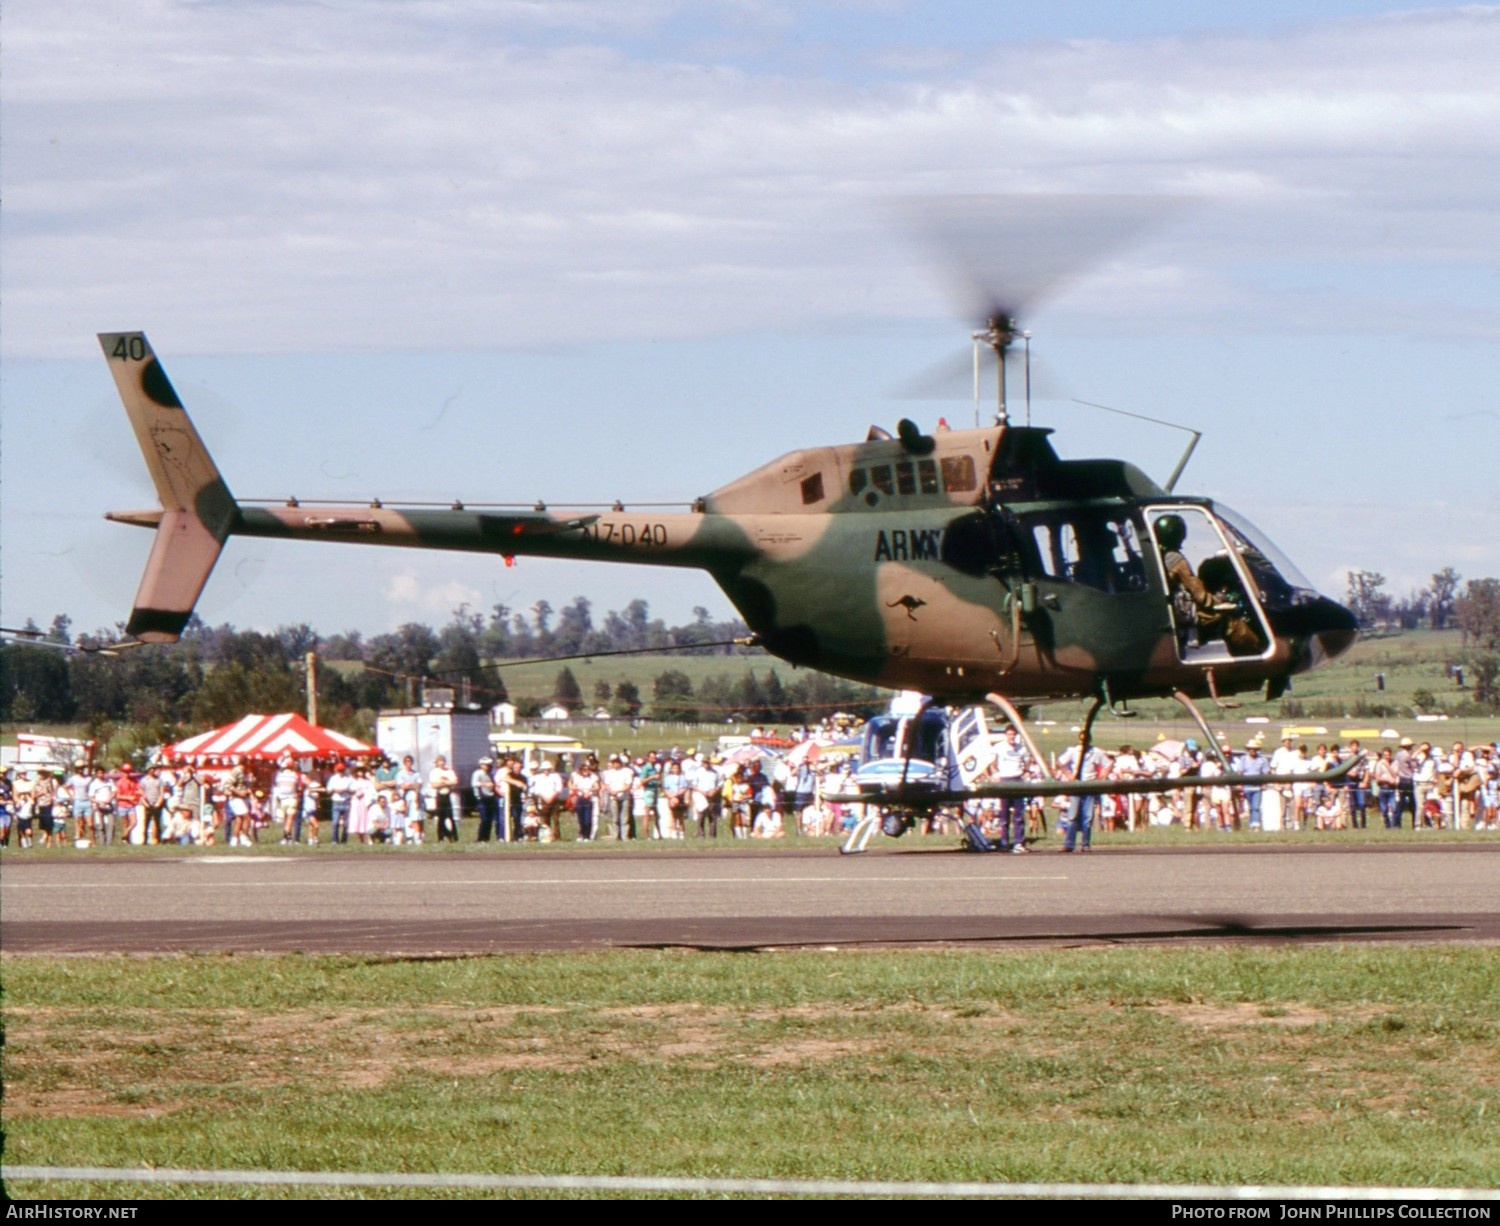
<point x="1281" y="583"/>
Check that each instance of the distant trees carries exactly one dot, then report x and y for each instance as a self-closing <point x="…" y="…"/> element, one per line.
<point x="457" y="661"/>
<point x="565" y="690"/>
<point x="627" y="699"/>
<point x="672" y="697"/>
<point x="1443" y="596"/>
<point x="1477" y="613"/>
<point x="406" y="653"/>
<point x="35" y="684"/>
<point x="1366" y="598"/>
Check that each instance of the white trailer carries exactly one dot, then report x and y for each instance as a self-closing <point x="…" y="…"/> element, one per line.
<point x="462" y="737"/>
<point x="33" y="751"/>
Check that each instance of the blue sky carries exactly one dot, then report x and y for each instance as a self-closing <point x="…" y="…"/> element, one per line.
<point x="588" y="250"/>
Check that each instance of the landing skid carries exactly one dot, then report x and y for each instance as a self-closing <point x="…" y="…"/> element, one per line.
<point x="970" y="718"/>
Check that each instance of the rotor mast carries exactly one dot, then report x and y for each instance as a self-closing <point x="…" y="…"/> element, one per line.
<point x="999" y="333"/>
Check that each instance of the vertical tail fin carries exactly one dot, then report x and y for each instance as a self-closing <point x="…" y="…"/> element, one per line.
<point x="198" y="511"/>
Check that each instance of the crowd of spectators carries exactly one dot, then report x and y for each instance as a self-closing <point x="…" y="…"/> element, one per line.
<point x="746" y="794"/>
<point x="1457" y="788"/>
<point x="239" y="804"/>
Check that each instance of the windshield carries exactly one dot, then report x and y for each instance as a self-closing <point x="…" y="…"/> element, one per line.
<point x="1281" y="584"/>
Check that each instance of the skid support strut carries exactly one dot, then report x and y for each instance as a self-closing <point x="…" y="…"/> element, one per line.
<point x="1208" y="733"/>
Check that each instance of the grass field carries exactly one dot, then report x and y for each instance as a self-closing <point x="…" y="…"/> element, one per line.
<point x="1355" y="1064"/>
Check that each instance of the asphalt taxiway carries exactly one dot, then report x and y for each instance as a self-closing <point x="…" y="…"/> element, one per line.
<point x="426" y="903"/>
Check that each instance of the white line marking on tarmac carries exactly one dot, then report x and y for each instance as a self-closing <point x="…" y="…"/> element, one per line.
<point x="619" y="1184"/>
<point x="778" y="882"/>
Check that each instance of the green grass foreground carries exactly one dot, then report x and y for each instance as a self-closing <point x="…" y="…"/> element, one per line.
<point x="1337" y="1065"/>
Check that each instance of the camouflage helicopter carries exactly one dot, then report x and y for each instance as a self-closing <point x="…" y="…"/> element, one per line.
<point x="972" y="565"/>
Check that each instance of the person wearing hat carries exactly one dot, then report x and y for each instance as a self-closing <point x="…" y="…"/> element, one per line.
<point x="286" y="797"/>
<point x="62" y="806"/>
<point x="1426" y="786"/>
<point x="619" y="783"/>
<point x="43" y="797"/>
<point x="1387" y="782"/>
<point x="1191" y="762"/>
<point x="1357" y="787"/>
<point x="187" y="805"/>
<point x="364" y="797"/>
<point x="128" y="803"/>
<point x="584" y="789"/>
<point x="78" y="785"/>
<point x="102" y="806"/>
<point x="649" y="775"/>
<point x="443" y="800"/>
<point x="153" y="803"/>
<point x="1284" y="762"/>
<point x="340" y="788"/>
<point x="547" y="791"/>
<point x="24" y="792"/>
<point x="486" y="798"/>
<point x="672" y="802"/>
<point x="1487" y="815"/>
<point x="1253" y="763"/>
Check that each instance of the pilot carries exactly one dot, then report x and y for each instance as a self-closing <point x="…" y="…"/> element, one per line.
<point x="1191" y="597"/>
<point x="1170" y="534"/>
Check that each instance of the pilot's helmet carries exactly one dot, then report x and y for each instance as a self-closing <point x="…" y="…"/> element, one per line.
<point x="1171" y="531"/>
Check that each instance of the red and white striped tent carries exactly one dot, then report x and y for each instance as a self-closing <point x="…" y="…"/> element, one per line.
<point x="267" y="737"/>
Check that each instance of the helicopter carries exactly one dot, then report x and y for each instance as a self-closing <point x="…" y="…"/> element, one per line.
<point x="975" y="566"/>
<point x="972" y="565"/>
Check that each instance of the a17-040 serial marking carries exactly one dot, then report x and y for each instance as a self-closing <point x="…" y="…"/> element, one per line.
<point x="642" y="536"/>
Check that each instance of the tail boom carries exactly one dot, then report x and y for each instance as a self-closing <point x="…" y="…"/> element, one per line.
<point x="198" y="513"/>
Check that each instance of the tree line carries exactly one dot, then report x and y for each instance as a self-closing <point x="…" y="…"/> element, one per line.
<point x="1448" y="602"/>
<point x="217" y="674"/>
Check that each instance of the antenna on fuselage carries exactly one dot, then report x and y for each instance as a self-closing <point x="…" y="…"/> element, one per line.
<point x="1157" y="421"/>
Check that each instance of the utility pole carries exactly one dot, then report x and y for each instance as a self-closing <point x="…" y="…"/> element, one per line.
<point x="312" y="687"/>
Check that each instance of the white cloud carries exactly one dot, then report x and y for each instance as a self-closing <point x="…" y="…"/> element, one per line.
<point x="360" y="175"/>
<point x="410" y="597"/>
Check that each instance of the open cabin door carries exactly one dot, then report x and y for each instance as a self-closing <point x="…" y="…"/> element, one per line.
<point x="1215" y="607"/>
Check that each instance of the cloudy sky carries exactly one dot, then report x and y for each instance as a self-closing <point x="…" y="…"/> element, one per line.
<point x="593" y="250"/>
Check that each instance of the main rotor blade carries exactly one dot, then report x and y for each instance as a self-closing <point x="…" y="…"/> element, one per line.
<point x="1002" y="255"/>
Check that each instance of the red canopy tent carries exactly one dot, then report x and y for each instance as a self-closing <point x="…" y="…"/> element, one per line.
<point x="266" y="738"/>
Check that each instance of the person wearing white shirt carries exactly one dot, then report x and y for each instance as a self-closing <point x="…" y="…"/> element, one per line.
<point x="619" y="779"/>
